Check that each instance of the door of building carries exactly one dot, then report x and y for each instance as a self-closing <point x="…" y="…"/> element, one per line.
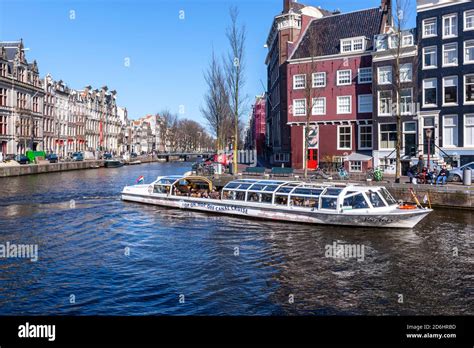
<point x="312" y="158"/>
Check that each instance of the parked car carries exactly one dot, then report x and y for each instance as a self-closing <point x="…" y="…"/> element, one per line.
<point x="107" y="156"/>
<point x="22" y="159"/>
<point x="77" y="156"/>
<point x="52" y="158"/>
<point x="133" y="155"/>
<point x="456" y="175"/>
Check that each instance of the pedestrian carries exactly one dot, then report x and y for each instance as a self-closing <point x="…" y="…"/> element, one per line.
<point x="442" y="176"/>
<point x="412" y="172"/>
<point x="421" y="164"/>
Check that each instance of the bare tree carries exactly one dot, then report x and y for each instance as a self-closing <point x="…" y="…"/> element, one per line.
<point x="236" y="35"/>
<point x="216" y="110"/>
<point x="400" y="20"/>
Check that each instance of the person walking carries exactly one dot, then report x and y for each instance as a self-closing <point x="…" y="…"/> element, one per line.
<point x="421" y="164"/>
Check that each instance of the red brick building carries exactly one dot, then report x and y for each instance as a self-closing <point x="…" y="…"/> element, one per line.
<point x="330" y="76"/>
<point x="285" y="30"/>
<point x="257" y="125"/>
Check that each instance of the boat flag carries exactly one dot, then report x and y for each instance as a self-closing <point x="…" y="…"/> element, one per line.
<point x="140" y="180"/>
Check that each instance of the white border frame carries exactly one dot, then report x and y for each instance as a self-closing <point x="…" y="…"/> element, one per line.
<point x="464" y="131"/>
<point x="424" y="67"/>
<point x="314" y="104"/>
<point x="338" y="72"/>
<point x="423" y="93"/>
<point x="464" y="20"/>
<point x="294" y="81"/>
<point x="423" y="28"/>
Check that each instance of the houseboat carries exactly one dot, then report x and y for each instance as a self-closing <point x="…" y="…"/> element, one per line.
<point x="331" y="204"/>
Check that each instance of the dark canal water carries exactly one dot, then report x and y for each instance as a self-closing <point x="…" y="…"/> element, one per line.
<point x="280" y="269"/>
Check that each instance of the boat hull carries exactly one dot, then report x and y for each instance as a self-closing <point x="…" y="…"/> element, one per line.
<point x="113" y="164"/>
<point x="399" y="219"/>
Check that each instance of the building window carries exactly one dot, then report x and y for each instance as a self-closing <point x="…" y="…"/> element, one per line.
<point x="469" y="52"/>
<point x="450" y="26"/>
<point x="469" y="89"/>
<point x="352" y="45"/>
<point x="3" y="125"/>
<point x="344" y="105"/>
<point x="388" y="135"/>
<point x="344" y="135"/>
<point x="299" y="107"/>
<point x="429" y="92"/>
<point x="406" y="100"/>
<point x="365" y="103"/>
<point x="299" y="81"/>
<point x="385" y="75"/>
<point x="385" y="103"/>
<point x="355" y="166"/>
<point x="364" y="75"/>
<point x="429" y="27"/>
<point x="430" y="59"/>
<point x="344" y="77"/>
<point x="319" y="106"/>
<point x="450" y="130"/>
<point x="450" y="54"/>
<point x="406" y="72"/>
<point x="3" y="97"/>
<point x="407" y="40"/>
<point x="365" y="137"/>
<point x="3" y="70"/>
<point x="450" y="90"/>
<point x="319" y="79"/>
<point x="469" y="130"/>
<point x="469" y="20"/>
<point x="409" y="138"/>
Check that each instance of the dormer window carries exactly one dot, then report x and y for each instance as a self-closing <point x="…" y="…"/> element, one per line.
<point x="353" y="45"/>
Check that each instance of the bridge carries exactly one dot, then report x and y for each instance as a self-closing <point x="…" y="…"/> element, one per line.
<point x="184" y="155"/>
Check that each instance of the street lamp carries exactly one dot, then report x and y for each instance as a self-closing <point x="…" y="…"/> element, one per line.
<point x="429" y="133"/>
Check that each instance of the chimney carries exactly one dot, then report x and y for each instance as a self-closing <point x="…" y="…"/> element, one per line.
<point x="286" y="5"/>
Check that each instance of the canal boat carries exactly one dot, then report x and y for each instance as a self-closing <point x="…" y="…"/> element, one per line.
<point x="113" y="163"/>
<point x="332" y="204"/>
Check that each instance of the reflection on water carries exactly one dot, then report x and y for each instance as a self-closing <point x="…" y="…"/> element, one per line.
<point x="222" y="265"/>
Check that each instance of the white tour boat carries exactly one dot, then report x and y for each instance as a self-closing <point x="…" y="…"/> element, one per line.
<point x="332" y="204"/>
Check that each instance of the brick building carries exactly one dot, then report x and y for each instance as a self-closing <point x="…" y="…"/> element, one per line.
<point x="330" y="76"/>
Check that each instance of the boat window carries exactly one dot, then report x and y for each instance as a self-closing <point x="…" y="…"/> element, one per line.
<point x="387" y="196"/>
<point x="238" y="196"/>
<point x="270" y="188"/>
<point x="281" y="200"/>
<point x="266" y="198"/>
<point x="244" y="186"/>
<point x="333" y="191"/>
<point x="257" y="187"/>
<point x="232" y="185"/>
<point x="286" y="189"/>
<point x="355" y="202"/>
<point x="161" y="189"/>
<point x="166" y="181"/>
<point x="253" y="197"/>
<point x="375" y="199"/>
<point x="297" y="201"/>
<point x="308" y="191"/>
<point x="329" y="203"/>
<point x="310" y="202"/>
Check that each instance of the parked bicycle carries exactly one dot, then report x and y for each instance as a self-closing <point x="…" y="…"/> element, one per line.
<point x="375" y="174"/>
<point x="320" y="173"/>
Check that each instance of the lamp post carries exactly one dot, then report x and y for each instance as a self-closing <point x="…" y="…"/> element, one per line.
<point x="429" y="133"/>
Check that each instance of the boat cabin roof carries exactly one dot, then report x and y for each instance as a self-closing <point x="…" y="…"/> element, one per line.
<point x="174" y="179"/>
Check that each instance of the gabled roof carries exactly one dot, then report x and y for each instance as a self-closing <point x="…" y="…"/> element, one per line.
<point x="329" y="31"/>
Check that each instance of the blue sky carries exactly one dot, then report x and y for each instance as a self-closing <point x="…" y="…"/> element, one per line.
<point x="167" y="55"/>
